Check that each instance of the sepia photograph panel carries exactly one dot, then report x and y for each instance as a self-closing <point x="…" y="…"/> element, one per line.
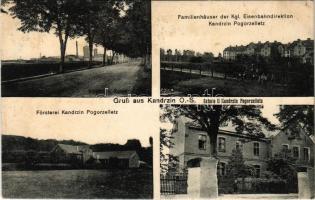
<point x="237" y="152"/>
<point x="75" y="48"/>
<point x="75" y="151"/>
<point x="243" y="48"/>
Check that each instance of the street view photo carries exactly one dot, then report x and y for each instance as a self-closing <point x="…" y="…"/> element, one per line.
<point x="273" y="60"/>
<point x="76" y="48"/>
<point x="248" y="152"/>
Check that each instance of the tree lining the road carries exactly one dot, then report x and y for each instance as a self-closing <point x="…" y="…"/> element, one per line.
<point x="122" y="26"/>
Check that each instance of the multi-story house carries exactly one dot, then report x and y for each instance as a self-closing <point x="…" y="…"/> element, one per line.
<point x="191" y="143"/>
<point x="252" y="48"/>
<point x="297" y="143"/>
<point x="272" y="49"/>
<point x="308" y="57"/>
<point x="301" y="49"/>
<point x="230" y="53"/>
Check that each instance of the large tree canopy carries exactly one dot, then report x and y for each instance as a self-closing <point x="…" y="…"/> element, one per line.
<point x="59" y="16"/>
<point x="123" y="26"/>
<point x="246" y="119"/>
<point x="297" y="115"/>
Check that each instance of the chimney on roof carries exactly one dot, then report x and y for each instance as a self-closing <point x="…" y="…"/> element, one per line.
<point x="259" y="42"/>
<point x="308" y="38"/>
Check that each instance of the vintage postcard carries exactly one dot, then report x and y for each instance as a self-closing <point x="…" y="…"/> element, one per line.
<point x="157" y="99"/>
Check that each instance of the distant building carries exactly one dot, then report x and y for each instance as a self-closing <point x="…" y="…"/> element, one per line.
<point x="188" y="53"/>
<point x="63" y="153"/>
<point x="80" y="154"/>
<point x="230" y="52"/>
<point x="120" y="159"/>
<point x="96" y="56"/>
<point x="300" y="49"/>
<point x="192" y="143"/>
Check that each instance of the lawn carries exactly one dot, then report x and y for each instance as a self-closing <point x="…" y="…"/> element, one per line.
<point x="185" y="83"/>
<point x="78" y="184"/>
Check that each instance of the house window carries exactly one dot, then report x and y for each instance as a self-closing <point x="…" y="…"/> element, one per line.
<point x="221" y="168"/>
<point x="285" y="147"/>
<point x="202" y="142"/>
<point x="306" y="154"/>
<point x="222" y="144"/>
<point x="239" y="145"/>
<point x="256" y="149"/>
<point x="296" y="153"/>
<point x="257" y="171"/>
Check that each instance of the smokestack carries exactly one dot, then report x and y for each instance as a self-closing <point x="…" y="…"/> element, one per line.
<point x="77" y="49"/>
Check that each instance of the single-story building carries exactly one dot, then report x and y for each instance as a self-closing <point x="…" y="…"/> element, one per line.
<point x="64" y="153"/>
<point x="118" y="159"/>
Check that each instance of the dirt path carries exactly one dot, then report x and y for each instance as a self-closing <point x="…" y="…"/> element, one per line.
<point x="118" y="79"/>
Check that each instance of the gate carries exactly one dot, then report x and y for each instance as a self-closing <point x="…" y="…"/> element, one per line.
<point x="175" y="183"/>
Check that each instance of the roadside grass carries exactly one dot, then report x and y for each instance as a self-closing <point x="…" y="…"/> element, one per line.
<point x="78" y="184"/>
<point x="11" y="71"/>
<point x="195" y="84"/>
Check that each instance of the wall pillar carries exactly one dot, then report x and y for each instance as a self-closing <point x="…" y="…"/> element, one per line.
<point x="202" y="181"/>
<point x="305" y="184"/>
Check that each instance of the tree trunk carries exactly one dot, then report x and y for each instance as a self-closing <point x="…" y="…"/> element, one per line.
<point x="214" y="130"/>
<point x="91" y="53"/>
<point x="113" y="55"/>
<point x="62" y="58"/>
<point x="104" y="55"/>
<point x="63" y="46"/>
<point x="144" y="60"/>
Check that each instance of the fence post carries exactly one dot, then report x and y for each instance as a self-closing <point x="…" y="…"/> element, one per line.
<point x="200" y="70"/>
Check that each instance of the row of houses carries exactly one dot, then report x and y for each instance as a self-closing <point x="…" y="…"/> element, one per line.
<point x="191" y="143"/>
<point x="82" y="154"/>
<point x="184" y="56"/>
<point x="301" y="49"/>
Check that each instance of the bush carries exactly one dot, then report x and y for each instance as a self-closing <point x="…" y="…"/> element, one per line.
<point x="261" y="185"/>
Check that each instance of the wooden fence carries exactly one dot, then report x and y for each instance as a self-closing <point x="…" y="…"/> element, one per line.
<point x="237" y="71"/>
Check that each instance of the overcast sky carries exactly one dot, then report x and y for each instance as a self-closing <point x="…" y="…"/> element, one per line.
<point x="134" y="121"/>
<point x="170" y="32"/>
<point x="16" y="44"/>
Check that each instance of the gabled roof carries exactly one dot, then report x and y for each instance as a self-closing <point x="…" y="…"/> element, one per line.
<point x="298" y="126"/>
<point x="114" y="154"/>
<point x="73" y="149"/>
